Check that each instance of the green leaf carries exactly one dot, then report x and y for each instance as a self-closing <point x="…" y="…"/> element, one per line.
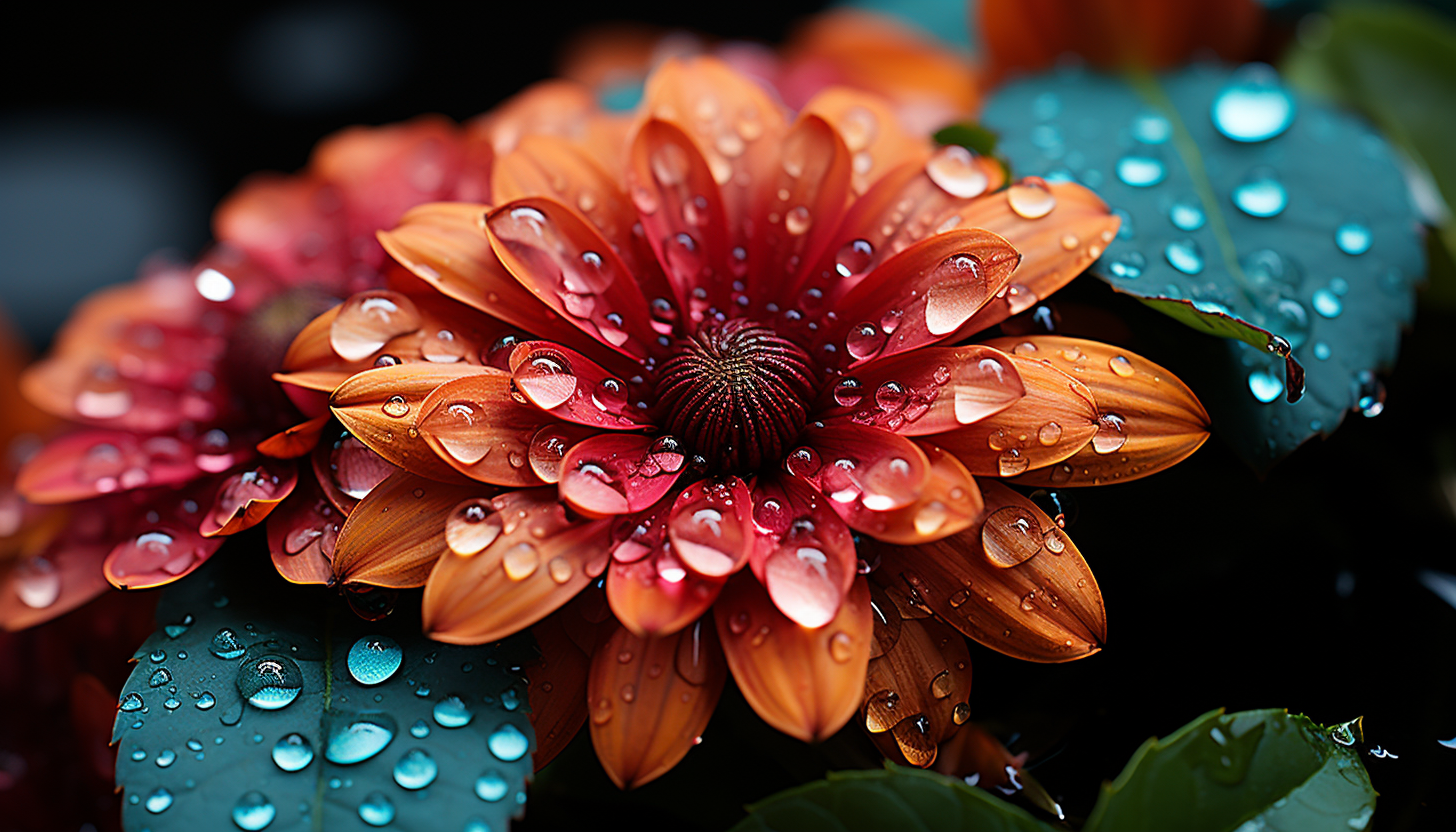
<point x="1185" y="239"/>
<point x="1396" y="63"/>
<point x="193" y="749"/>
<point x="896" y="798"/>
<point x="969" y="135"/>
<point x="1241" y="772"/>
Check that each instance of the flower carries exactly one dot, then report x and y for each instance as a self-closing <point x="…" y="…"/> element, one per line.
<point x="685" y="366"/>
<point x="165" y="381"/>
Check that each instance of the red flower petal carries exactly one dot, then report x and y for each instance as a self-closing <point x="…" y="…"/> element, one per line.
<point x="91" y="462"/>
<point x="872" y="133"/>
<point x="925" y="292"/>
<point x="804" y="682"/>
<point x="540" y="560"/>
<point x="949" y="501"/>
<point x="302" y="533"/>
<point x="650" y="698"/>
<point x="246" y="497"/>
<point x="711" y="526"/>
<point x="396" y="533"/>
<point x="566" y="263"/>
<point x="295" y="441"/>
<point x="862" y="470"/>
<point x="657" y="595"/>
<point x="166" y="549"/>
<point x="572" y="387"/>
<point x="294" y="225"/>
<point x="1055" y="418"/>
<point x="620" y="473"/>
<point x="925" y="391"/>
<point x="804" y="554"/>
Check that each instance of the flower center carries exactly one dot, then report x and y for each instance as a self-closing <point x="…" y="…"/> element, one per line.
<point x="737" y="393"/>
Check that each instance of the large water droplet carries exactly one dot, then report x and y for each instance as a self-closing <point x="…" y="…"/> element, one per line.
<point x="507" y="743"/>
<point x="354" y="738"/>
<point x="1265" y="386"/>
<point x="377" y="809"/>
<point x="547" y="377"/>
<point x="1353" y="236"/>
<point x="373" y="659"/>
<point x="954" y="169"/>
<point x="270" y="682"/>
<point x="206" y="701"/>
<point x="292" y="753"/>
<point x="158" y="801"/>
<point x="1111" y="433"/>
<point x="1031" y="198"/>
<point x="854" y="258"/>
<point x="1185" y="256"/>
<point x="1140" y="171"/>
<point x="1011" y="536"/>
<point x="491" y="787"/>
<point x="226" y="645"/>
<point x="415" y="770"/>
<point x="1261" y="194"/>
<point x="452" y="712"/>
<point x="253" y="811"/>
<point x="1327" y="303"/>
<point x="131" y="702"/>
<point x="1254" y="106"/>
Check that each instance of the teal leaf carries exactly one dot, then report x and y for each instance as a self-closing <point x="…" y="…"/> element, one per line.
<point x="259" y="704"/>
<point x="1240" y="199"/>
<point x="1241" y="772"/>
<point x="902" y="799"/>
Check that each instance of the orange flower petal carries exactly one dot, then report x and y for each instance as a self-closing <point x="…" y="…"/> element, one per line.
<point x="295" y="441"/>
<point x="804" y="682"/>
<point x="1045" y="608"/>
<point x="657" y="595"/>
<point x="949" y="502"/>
<point x="1149" y="419"/>
<point x="36" y="588"/>
<point x="296" y="226"/>
<point x="650" y="698"/>
<point x="798" y="207"/>
<point x="804" y="553"/>
<point x="396" y="533"/>
<point x="573" y="388"/>
<point x="245" y="498"/>
<point x="445" y="245"/>
<point x="553" y="108"/>
<point x="346" y="469"/>
<point x="1056" y="417"/>
<point x="620" y="473"/>
<point x="862" y="470"/>
<point x="917" y="687"/>
<point x="556" y="688"/>
<point x="925" y="292"/>
<point x="566" y="263"/>
<point x="925" y="391"/>
<point x="1055" y="247"/>
<point x="302" y="533"/>
<point x="871" y="131"/>
<point x="537" y="563"/>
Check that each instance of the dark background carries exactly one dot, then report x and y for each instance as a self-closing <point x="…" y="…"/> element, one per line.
<point x="120" y="130"/>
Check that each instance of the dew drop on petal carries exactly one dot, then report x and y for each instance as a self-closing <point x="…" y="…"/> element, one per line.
<point x="1140" y="171"/>
<point x="159" y="801"/>
<point x="452" y="712"/>
<point x="1011" y="536"/>
<point x="953" y="168"/>
<point x="1184" y="255"/>
<point x="1261" y="194"/>
<point x="1353" y="237"/>
<point x="957" y="290"/>
<point x="472" y="525"/>
<point x="354" y="738"/>
<point x="507" y="743"/>
<point x="1031" y="198"/>
<point x="1111" y="433"/>
<point x="1265" y="386"/>
<point x="1186" y="215"/>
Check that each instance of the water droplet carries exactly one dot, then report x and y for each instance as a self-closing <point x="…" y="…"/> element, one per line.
<point x="226" y="645"/>
<point x="158" y="801"/>
<point x="1353" y="236"/>
<point x="165" y="758"/>
<point x="1011" y="536"/>
<point x="396" y="406"/>
<point x="452" y="712"/>
<point x="941" y="685"/>
<point x="954" y="169"/>
<point x="1140" y="171"/>
<point x="131" y="702"/>
<point x="491" y="787"/>
<point x="1111" y="433"/>
<point x="961" y="712"/>
<point x="415" y="770"/>
<point x="161" y="676"/>
<point x="1369" y="394"/>
<point x="1128" y="265"/>
<point x="354" y="738"/>
<point x="520" y="561"/>
<point x="368" y="320"/>
<point x="848" y="392"/>
<point x="797" y="220"/>
<point x="1049" y="434"/>
<point x="1265" y="386"/>
<point x="373" y="659"/>
<point x="1031" y="198"/>
<point x="854" y="258"/>
<point x="1254" y="106"/>
<point x="864" y="341"/>
<point x="841" y="647"/>
<point x="270" y="682"/>
<point x="1327" y="303"/>
<point x="1186" y="215"/>
<point x="1151" y="128"/>
<point x="292" y="753"/>
<point x="507" y="743"/>
<point x="1261" y="194"/>
<point x="175" y="630"/>
<point x="253" y="811"/>
<point x="1185" y="256"/>
<point x="377" y="809"/>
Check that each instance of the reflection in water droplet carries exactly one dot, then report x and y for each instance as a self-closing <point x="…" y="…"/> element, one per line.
<point x="1265" y="386"/>
<point x="1253" y="106"/>
<point x="270" y="682"/>
<point x="373" y="659"/>
<point x="1111" y="433"/>
<point x="507" y="743"/>
<point x="131" y="702"/>
<point x="376" y="810"/>
<point x="420" y="729"/>
<point x="165" y="758"/>
<point x="415" y="770"/>
<point x="491" y="787"/>
<point x="253" y="811"/>
<point x="961" y="712"/>
<point x="1031" y="198"/>
<point x="292" y="753"/>
<point x="1185" y="256"/>
<point x="954" y="169"/>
